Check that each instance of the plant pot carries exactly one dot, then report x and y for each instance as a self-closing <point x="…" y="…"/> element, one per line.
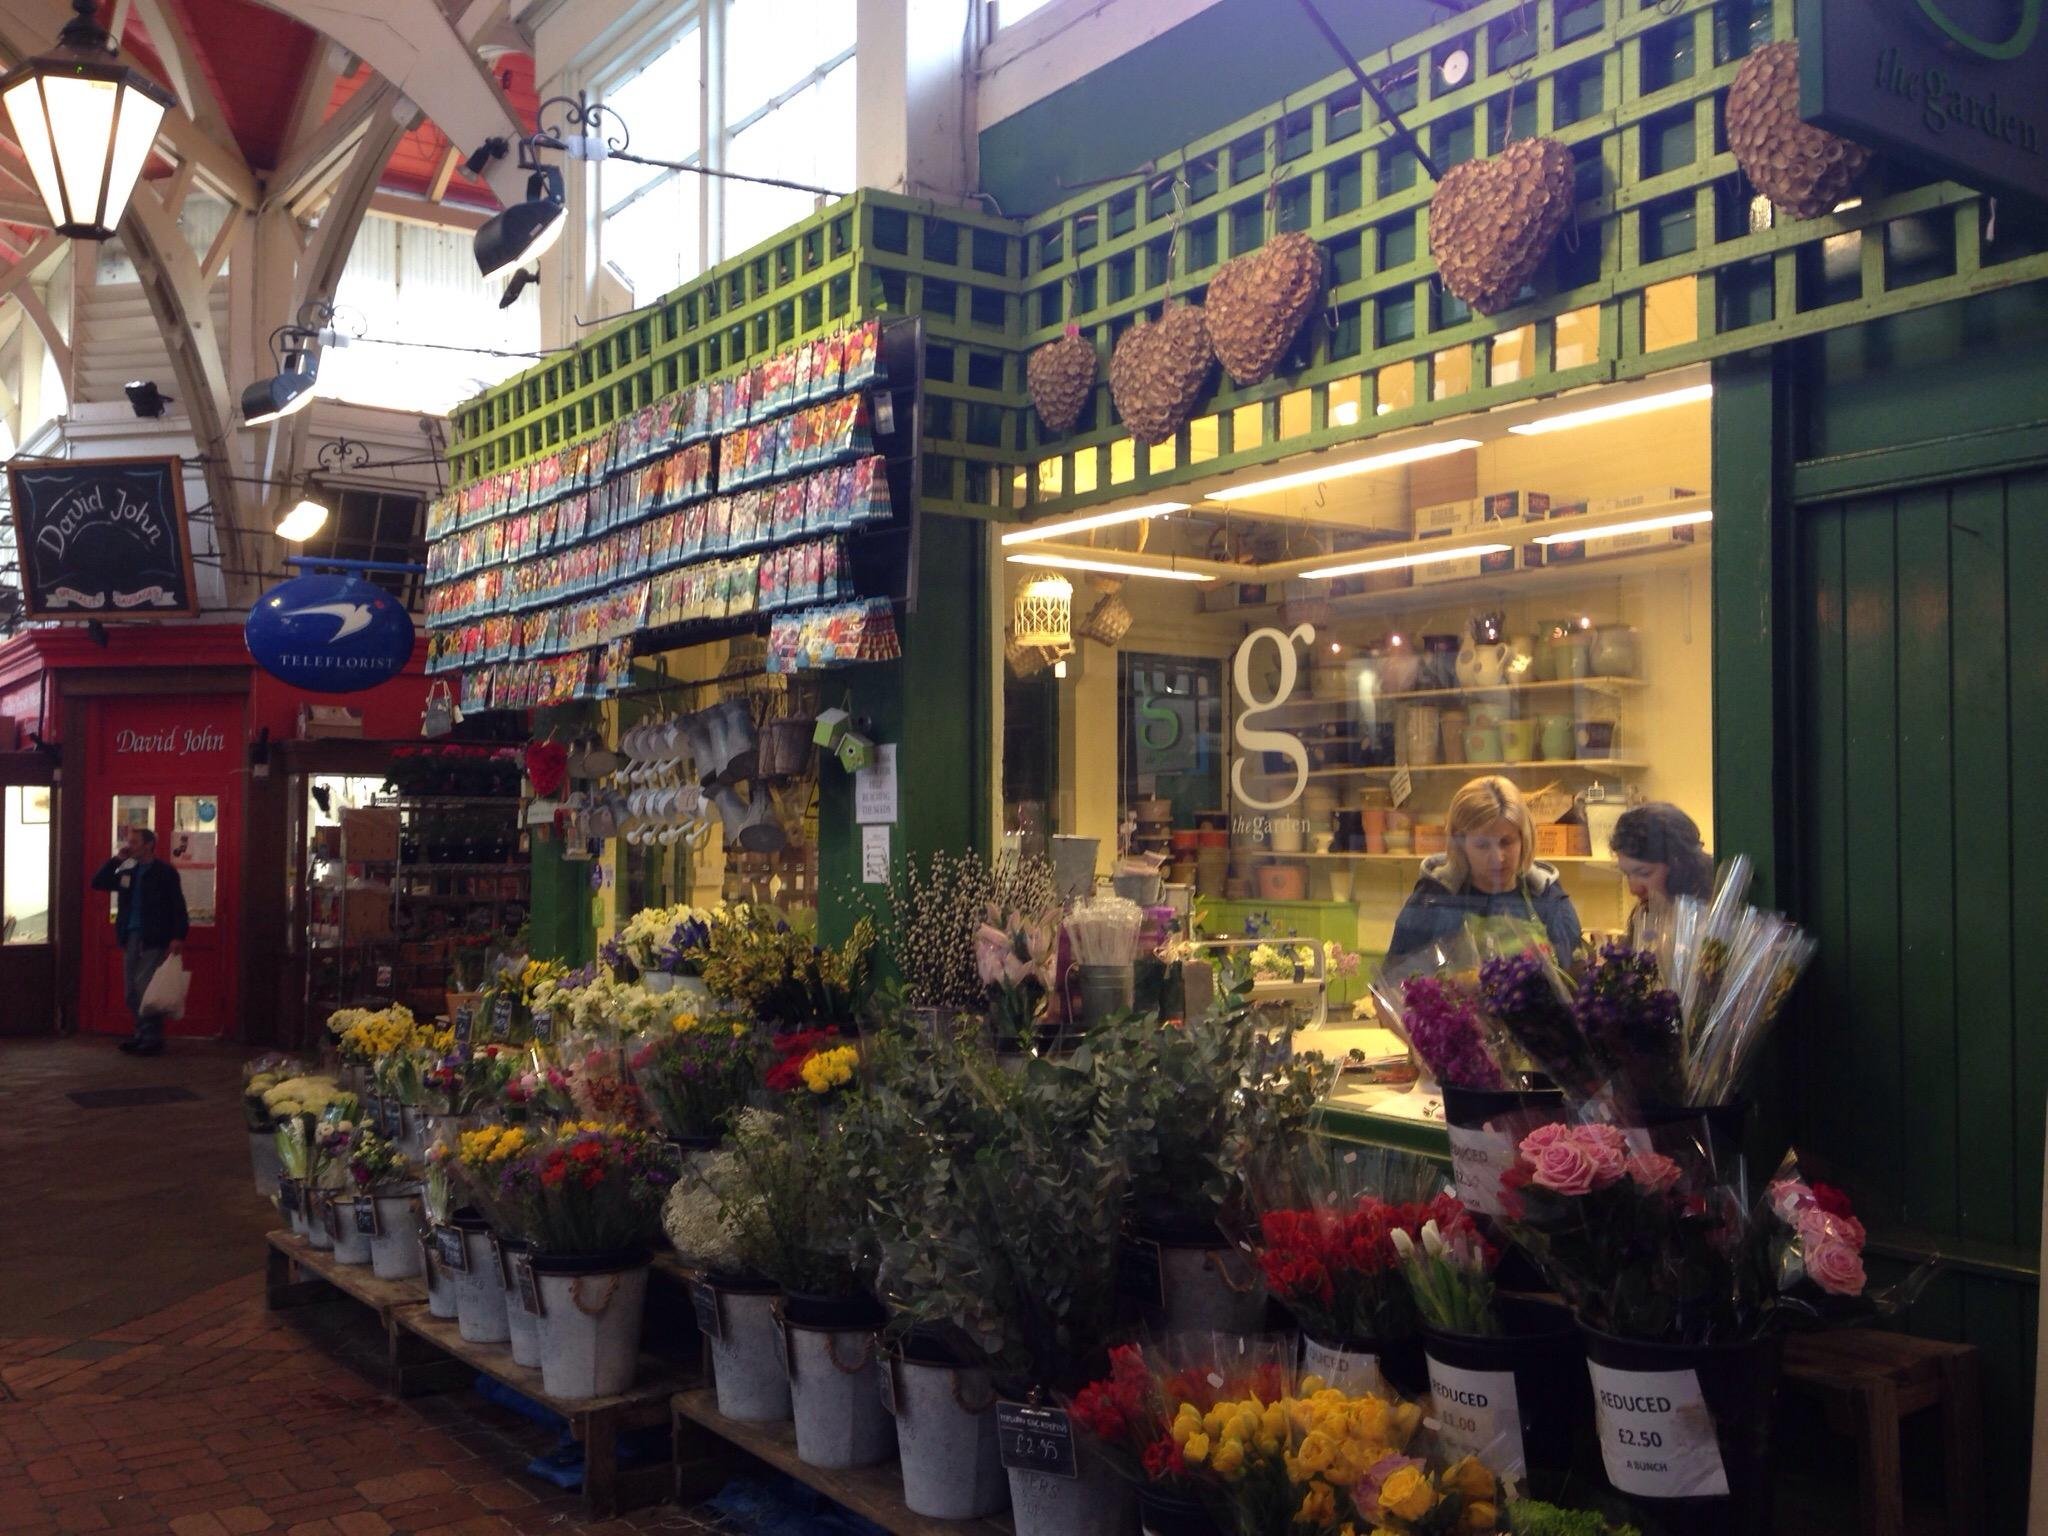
<point x="441" y="1301"/>
<point x="1206" y="1283"/>
<point x="835" y="1394"/>
<point x="1103" y="992"/>
<point x="480" y="1289"/>
<point x="263" y="1159"/>
<point x="395" y="1247"/>
<point x="412" y="1131"/>
<point x="351" y="1244"/>
<point x="1709" y="1472"/>
<point x="590" y="1313"/>
<point x="1171" y="1514"/>
<point x="746" y="1354"/>
<point x="1518" y="1399"/>
<point x="1383" y="1367"/>
<point x="522" y="1326"/>
<point x="946" y="1437"/>
<point x="1096" y="1503"/>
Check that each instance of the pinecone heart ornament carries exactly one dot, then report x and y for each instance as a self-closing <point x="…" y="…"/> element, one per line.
<point x="1257" y="303"/>
<point x="1492" y="222"/>
<point x="1157" y="372"/>
<point x="1061" y="376"/>
<point x="1802" y="169"/>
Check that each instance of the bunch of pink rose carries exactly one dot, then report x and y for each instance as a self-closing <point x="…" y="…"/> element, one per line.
<point x="1821" y="1240"/>
<point x="1579" y="1159"/>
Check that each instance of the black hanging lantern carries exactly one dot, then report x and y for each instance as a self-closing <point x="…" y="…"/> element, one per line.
<point x="85" y="124"/>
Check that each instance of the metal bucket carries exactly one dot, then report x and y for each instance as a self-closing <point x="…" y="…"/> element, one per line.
<point x="521" y="1325"/>
<point x="746" y="1357"/>
<point x="351" y="1244"/>
<point x="835" y="1391"/>
<point x="1097" y="1503"/>
<point x="480" y="1289"/>
<point x="946" y="1437"/>
<point x="1105" y="990"/>
<point x="395" y="1247"/>
<point x="264" y="1161"/>
<point x="589" y="1327"/>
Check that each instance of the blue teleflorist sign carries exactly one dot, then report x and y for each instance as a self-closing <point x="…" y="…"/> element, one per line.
<point x="329" y="634"/>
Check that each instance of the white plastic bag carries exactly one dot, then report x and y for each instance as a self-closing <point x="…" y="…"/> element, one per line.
<point x="165" y="993"/>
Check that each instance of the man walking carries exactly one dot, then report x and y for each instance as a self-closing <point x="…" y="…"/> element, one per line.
<point x="149" y="921"/>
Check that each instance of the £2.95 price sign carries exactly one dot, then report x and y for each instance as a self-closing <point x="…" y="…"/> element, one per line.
<point x="1036" y="1439"/>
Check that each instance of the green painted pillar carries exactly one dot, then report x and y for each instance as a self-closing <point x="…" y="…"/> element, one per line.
<point x="934" y="705"/>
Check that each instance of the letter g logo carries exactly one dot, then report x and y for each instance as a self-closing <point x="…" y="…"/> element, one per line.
<point x="2024" y="31"/>
<point x="1249" y="740"/>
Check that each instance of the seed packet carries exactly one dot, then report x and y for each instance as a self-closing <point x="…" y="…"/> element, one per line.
<point x="718" y="526"/>
<point x="863" y="347"/>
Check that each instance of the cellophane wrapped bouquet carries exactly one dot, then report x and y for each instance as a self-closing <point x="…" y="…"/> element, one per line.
<point x="698" y="1074"/>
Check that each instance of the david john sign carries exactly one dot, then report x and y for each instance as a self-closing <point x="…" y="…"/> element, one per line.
<point x="1956" y="86"/>
<point x="102" y="538"/>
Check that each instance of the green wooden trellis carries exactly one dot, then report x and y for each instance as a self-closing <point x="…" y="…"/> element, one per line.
<point x="1670" y="263"/>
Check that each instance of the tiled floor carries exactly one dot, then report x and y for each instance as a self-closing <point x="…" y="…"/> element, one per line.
<point x="144" y="1387"/>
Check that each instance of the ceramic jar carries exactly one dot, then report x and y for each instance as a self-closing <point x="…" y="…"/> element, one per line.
<point x="1614" y="652"/>
<point x="1482" y="665"/>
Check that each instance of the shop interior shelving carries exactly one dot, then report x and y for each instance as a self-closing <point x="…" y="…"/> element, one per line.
<point x="436" y="900"/>
<point x="1495" y="694"/>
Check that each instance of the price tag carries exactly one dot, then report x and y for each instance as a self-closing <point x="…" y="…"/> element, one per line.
<point x="462" y="1026"/>
<point x="544" y="1027"/>
<point x="384" y="977"/>
<point x="330" y="1217"/>
<point x="366" y="1218"/>
<point x="887" y="1378"/>
<point x="1478" y="1159"/>
<point x="373" y="1111"/>
<point x="1400" y="787"/>
<point x="1037" y="1439"/>
<point x="392" y="1119"/>
<point x="501" y="1019"/>
<point x="704" y="1302"/>
<point x="1353" y="1372"/>
<point x="1139" y="1273"/>
<point x="449" y="1249"/>
<point x="288" y="1198"/>
<point x="1477" y="1414"/>
<point x="498" y="1258"/>
<point x="885" y="413"/>
<point x="1657" y="1434"/>
<point x="522" y="1283"/>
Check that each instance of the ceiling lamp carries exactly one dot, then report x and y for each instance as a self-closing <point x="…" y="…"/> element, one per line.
<point x="1344" y="469"/>
<point x="1404" y="562"/>
<point x="1041" y="531"/>
<point x="289" y="389"/>
<point x="1110" y="567"/>
<point x="525" y="231"/>
<point x="302" y="522"/>
<point x="1616" y="410"/>
<point x="85" y="124"/>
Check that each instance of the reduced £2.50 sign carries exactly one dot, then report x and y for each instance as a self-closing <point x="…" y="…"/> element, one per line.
<point x="1657" y="1433"/>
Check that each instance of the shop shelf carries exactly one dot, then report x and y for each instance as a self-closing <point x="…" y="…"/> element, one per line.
<point x="423" y="868"/>
<point x="423" y="802"/>
<point x="1417" y="858"/>
<point x="1426" y="695"/>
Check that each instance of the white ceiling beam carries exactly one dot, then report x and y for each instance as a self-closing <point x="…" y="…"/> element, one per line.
<point x="418" y="49"/>
<point x="314" y="165"/>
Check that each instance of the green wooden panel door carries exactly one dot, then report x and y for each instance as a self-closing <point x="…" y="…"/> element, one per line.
<point x="1920" y="1059"/>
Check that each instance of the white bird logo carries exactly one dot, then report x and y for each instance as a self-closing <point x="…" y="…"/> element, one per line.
<point x="353" y="616"/>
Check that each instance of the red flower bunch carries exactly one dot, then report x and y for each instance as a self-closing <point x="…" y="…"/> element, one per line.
<point x="1118" y="1409"/>
<point x="1337" y="1266"/>
<point x="786" y="1075"/>
<point x="1131" y="1410"/>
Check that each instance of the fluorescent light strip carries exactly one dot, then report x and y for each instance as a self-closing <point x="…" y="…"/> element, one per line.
<point x="1040" y="531"/>
<point x="1616" y="410"/>
<point x="1108" y="567"/>
<point x="1402" y="562"/>
<point x="1316" y="476"/>
<point x="1640" y="525"/>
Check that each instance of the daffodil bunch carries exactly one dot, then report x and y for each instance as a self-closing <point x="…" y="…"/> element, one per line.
<point x="477" y="1163"/>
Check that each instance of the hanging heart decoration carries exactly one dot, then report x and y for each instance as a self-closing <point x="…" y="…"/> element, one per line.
<point x="1492" y="222"/>
<point x="1802" y="169"/>
<point x="1258" y="302"/>
<point x="1061" y="376"/>
<point x="1157" y="372"/>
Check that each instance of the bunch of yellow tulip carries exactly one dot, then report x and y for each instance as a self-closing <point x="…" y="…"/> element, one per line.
<point x="364" y="1034"/>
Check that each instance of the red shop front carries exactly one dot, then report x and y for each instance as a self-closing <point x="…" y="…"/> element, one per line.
<point x="174" y="728"/>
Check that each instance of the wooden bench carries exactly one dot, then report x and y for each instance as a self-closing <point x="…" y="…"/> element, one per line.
<point x="297" y="1274"/>
<point x="1866" y="1382"/>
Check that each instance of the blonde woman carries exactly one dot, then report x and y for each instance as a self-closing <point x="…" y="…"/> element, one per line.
<point x="1489" y="871"/>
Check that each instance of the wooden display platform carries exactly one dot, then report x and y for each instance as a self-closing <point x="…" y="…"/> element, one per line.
<point x="595" y="1421"/>
<point x="427" y="1353"/>
<point x="703" y="1436"/>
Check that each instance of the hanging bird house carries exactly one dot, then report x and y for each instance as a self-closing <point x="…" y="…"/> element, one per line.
<point x="1045" y="613"/>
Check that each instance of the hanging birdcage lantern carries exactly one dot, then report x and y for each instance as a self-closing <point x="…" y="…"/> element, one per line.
<point x="1044" y="614"/>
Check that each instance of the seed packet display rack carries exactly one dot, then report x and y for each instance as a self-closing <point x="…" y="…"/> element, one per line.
<point x="779" y="500"/>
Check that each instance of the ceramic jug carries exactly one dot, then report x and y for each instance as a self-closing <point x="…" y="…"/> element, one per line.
<point x="1482" y="665"/>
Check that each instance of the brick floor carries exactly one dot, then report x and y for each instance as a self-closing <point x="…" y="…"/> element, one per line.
<point x="145" y="1388"/>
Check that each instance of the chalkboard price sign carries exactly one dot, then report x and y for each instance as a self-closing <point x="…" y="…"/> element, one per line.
<point x="449" y="1250"/>
<point x="366" y="1218"/>
<point x="1036" y="1439"/>
<point x="704" y="1302"/>
<point x="103" y="539"/>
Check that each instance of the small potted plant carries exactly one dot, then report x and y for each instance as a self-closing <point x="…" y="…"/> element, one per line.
<point x="588" y="1202"/>
<point x="795" y="1215"/>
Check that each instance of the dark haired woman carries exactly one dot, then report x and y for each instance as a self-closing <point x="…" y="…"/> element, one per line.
<point x="1658" y="850"/>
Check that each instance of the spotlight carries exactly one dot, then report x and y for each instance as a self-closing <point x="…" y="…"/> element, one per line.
<point x="521" y="281"/>
<point x="284" y="392"/>
<point x="484" y="154"/>
<point x="146" y="398"/>
<point x="302" y="522"/>
<point x="1455" y="67"/>
<point x="525" y="230"/>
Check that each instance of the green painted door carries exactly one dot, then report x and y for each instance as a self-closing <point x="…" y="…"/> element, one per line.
<point x="1920" y="1060"/>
